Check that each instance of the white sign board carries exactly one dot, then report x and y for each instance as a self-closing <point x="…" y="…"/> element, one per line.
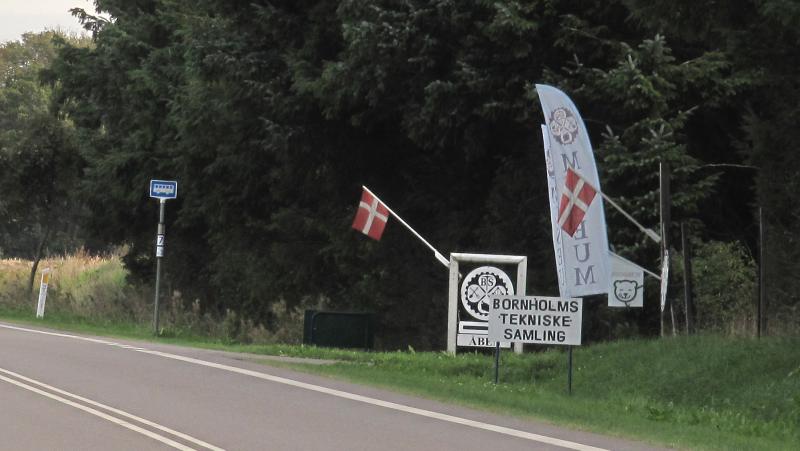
<point x="475" y="334"/>
<point x="160" y="245"/>
<point x="626" y="287"/>
<point x="536" y="319"/>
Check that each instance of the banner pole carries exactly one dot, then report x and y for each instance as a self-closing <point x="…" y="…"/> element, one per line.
<point x="688" y="300"/>
<point x="436" y="253"/>
<point x="762" y="276"/>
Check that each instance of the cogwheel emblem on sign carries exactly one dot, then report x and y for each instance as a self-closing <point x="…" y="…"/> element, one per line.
<point x="480" y="286"/>
<point x="563" y="126"/>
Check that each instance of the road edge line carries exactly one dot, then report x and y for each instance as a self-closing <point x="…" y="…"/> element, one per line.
<point x="97" y="413"/>
<point x="342" y="394"/>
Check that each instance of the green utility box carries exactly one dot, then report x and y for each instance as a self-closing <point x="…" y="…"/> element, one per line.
<point x="338" y="330"/>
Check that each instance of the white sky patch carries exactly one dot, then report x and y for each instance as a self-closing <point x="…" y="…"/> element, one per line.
<point x="21" y="16"/>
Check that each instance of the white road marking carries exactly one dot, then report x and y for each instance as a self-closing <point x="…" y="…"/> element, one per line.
<point x="118" y="412"/>
<point x="102" y="415"/>
<point x="341" y="394"/>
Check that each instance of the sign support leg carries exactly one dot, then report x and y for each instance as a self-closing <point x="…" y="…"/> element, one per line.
<point x="761" y="313"/>
<point x="496" y="362"/>
<point x="569" y="371"/>
<point x="687" y="279"/>
<point x="162" y="203"/>
<point x="452" y="307"/>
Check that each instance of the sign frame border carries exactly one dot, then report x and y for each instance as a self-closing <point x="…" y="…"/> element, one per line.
<point x="453" y="288"/>
<point x="150" y="190"/>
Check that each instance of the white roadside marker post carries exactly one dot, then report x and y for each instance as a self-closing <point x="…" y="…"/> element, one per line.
<point x="43" y="293"/>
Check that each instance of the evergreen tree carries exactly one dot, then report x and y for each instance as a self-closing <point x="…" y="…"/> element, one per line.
<point x="271" y="114"/>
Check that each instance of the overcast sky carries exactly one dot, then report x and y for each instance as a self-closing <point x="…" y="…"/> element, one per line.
<point x="19" y="16"/>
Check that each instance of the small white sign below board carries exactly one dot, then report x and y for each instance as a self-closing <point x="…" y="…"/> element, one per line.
<point x="536" y="319"/>
<point x="479" y="341"/>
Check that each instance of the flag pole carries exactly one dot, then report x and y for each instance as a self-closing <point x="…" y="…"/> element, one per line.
<point x="649" y="232"/>
<point x="436" y="253"/>
<point x="653" y="235"/>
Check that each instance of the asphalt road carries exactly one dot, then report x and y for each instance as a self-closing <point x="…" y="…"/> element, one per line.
<point x="61" y="391"/>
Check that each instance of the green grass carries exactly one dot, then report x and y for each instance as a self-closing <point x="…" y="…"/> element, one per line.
<point x="695" y="392"/>
<point x="135" y="331"/>
<point x="702" y="392"/>
<point x="76" y="323"/>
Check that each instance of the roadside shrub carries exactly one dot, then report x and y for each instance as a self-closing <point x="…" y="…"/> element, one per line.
<point x="725" y="288"/>
<point x="96" y="288"/>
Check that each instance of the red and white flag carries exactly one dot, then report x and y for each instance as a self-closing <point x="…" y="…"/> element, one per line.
<point x="371" y="216"/>
<point x="576" y="197"/>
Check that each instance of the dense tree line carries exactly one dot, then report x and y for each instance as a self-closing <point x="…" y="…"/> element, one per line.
<point x="272" y="114"/>
<point x="39" y="159"/>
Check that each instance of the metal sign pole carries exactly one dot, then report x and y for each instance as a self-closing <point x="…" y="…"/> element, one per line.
<point x="496" y="362"/>
<point x="569" y="372"/>
<point x="687" y="279"/>
<point x="159" y="255"/>
<point x="762" y="276"/>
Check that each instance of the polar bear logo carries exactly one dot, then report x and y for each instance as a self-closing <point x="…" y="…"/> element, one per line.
<point x="625" y="290"/>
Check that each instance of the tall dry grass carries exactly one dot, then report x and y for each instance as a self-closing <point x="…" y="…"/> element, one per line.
<point x="95" y="289"/>
<point x="12" y="281"/>
<point x="81" y="284"/>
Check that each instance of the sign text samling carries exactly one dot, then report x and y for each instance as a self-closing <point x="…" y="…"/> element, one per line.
<point x="534" y="319"/>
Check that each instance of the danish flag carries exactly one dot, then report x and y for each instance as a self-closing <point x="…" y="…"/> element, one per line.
<point x="371" y="216"/>
<point x="576" y="197"/>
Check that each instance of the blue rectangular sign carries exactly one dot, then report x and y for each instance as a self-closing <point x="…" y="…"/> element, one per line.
<point x="163" y="189"/>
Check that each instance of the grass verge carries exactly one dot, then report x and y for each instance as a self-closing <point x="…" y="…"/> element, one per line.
<point x="691" y="392"/>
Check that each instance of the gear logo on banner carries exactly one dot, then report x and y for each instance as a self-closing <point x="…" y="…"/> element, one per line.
<point x="563" y="126"/>
<point x="480" y="286"/>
